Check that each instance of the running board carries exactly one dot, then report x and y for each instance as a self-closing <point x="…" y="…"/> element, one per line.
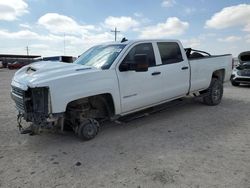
<point x="147" y="112"/>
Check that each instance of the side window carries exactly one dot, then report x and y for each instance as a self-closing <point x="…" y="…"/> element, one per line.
<point x="145" y="48"/>
<point x="170" y="52"/>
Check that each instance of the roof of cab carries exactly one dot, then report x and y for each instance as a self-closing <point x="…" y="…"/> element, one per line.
<point x="142" y="40"/>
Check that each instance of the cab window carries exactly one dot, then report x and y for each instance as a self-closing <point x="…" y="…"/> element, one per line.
<point x="170" y="52"/>
<point x="145" y="48"/>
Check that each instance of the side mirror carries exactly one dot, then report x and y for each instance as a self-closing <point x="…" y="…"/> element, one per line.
<point x="141" y="63"/>
<point x="124" y="67"/>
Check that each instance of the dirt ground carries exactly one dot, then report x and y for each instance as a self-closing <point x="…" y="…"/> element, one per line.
<point x="187" y="145"/>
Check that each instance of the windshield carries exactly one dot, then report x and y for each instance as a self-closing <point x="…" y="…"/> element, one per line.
<point x="101" y="56"/>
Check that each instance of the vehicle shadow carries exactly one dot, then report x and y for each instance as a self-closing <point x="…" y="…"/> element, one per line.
<point x="244" y="86"/>
<point x="186" y="124"/>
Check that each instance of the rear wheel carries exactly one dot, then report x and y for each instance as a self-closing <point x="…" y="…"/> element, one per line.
<point x="215" y="93"/>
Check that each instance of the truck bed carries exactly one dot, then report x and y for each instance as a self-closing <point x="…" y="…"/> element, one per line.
<point x="200" y="75"/>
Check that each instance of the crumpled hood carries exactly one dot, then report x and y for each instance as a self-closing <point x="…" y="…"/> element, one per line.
<point x="40" y="72"/>
<point x="245" y="65"/>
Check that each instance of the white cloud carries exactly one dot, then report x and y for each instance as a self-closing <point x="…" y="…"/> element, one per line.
<point x="230" y="39"/>
<point x="23" y="34"/>
<point x="26" y="26"/>
<point x="247" y="27"/>
<point x="57" y="23"/>
<point x="77" y="38"/>
<point x="39" y="46"/>
<point x="138" y="14"/>
<point x="12" y="9"/>
<point x="27" y="35"/>
<point x="98" y="38"/>
<point x="205" y="36"/>
<point x="192" y="43"/>
<point x="121" y="23"/>
<point x="168" y="3"/>
<point x="247" y="37"/>
<point x="51" y="44"/>
<point x="230" y="16"/>
<point x="172" y="27"/>
<point x="143" y="20"/>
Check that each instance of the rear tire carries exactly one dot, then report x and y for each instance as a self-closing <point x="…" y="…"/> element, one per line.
<point x="215" y="93"/>
<point x="235" y="83"/>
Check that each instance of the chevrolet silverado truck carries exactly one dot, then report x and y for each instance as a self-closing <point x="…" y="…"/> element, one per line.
<point x="113" y="80"/>
<point x="241" y="73"/>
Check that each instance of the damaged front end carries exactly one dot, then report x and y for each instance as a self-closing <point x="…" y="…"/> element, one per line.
<point x="33" y="106"/>
<point x="241" y="73"/>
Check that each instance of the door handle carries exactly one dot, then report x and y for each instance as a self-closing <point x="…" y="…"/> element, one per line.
<point x="155" y="73"/>
<point x="184" y="68"/>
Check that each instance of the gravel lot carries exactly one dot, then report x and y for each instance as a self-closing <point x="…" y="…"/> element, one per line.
<point x="188" y="145"/>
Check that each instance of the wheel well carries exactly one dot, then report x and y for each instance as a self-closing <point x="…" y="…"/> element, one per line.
<point x="219" y="74"/>
<point x="109" y="103"/>
<point x="103" y="104"/>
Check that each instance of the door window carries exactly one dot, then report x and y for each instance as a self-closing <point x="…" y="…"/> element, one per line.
<point x="145" y="48"/>
<point x="170" y="52"/>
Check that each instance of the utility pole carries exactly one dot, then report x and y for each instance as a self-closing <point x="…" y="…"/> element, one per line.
<point x="27" y="49"/>
<point x="115" y="31"/>
<point x="64" y="43"/>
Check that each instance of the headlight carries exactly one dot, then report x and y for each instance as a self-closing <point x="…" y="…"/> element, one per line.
<point x="238" y="72"/>
<point x="234" y="71"/>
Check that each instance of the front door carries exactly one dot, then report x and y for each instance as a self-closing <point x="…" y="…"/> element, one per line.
<point x="140" y="89"/>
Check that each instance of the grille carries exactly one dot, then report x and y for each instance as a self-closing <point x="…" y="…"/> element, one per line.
<point x="17" y="91"/>
<point x="245" y="73"/>
<point x="17" y="95"/>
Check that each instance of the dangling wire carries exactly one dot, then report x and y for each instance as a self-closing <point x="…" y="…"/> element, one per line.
<point x="19" y="121"/>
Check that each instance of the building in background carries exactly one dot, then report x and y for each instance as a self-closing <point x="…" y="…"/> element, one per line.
<point x="9" y="59"/>
<point x="25" y="59"/>
<point x="65" y="59"/>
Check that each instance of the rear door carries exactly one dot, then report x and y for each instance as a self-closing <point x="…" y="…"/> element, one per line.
<point x="174" y="69"/>
<point x="139" y="89"/>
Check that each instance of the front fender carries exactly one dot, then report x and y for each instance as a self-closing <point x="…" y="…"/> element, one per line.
<point x="65" y="91"/>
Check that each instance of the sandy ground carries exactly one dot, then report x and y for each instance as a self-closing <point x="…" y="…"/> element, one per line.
<point x="188" y="145"/>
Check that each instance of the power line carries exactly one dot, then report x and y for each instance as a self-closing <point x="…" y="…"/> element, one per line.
<point x="115" y="31"/>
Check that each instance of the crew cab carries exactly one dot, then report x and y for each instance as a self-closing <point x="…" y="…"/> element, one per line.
<point x="113" y="80"/>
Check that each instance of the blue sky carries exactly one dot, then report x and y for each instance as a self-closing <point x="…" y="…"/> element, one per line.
<point x="45" y="25"/>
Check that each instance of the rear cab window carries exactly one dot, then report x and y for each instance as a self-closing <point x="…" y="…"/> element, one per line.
<point x="170" y="52"/>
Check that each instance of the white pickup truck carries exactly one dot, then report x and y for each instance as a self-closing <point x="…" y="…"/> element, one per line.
<point x="115" y="79"/>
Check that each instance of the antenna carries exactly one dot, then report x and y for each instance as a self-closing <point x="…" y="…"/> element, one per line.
<point x="115" y="31"/>
<point x="124" y="40"/>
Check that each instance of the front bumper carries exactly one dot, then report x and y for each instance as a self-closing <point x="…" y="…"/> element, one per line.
<point x="32" y="103"/>
<point x="240" y="79"/>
